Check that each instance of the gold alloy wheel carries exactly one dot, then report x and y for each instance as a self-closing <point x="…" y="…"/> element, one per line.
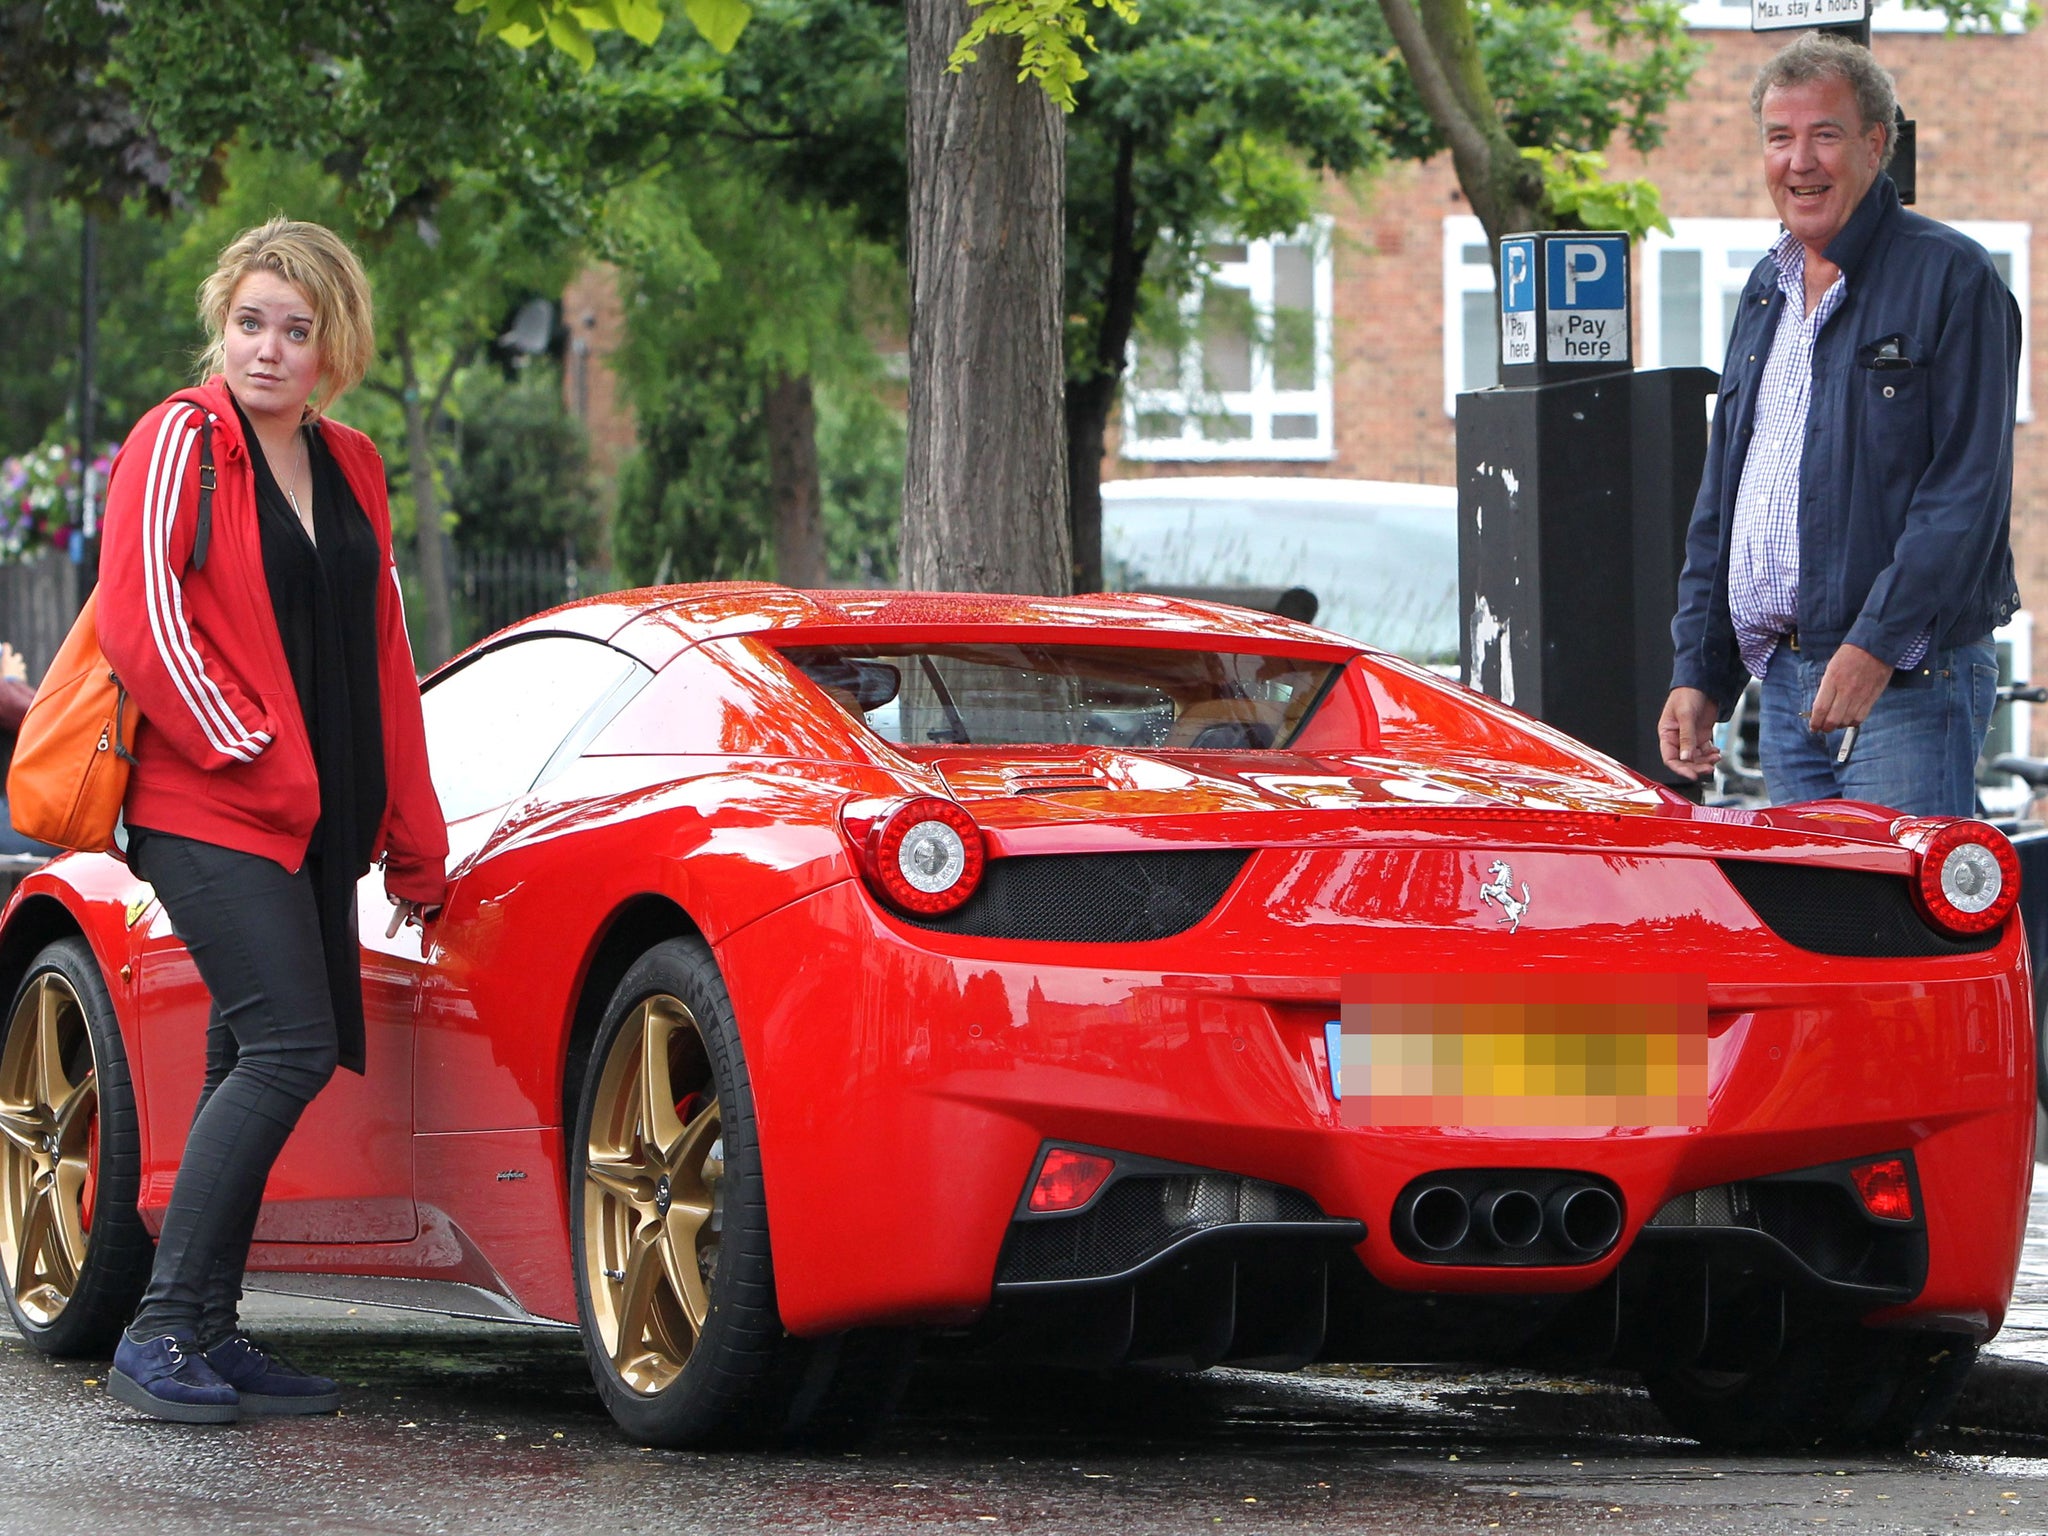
<point x="650" y="1197"/>
<point x="49" y="1122"/>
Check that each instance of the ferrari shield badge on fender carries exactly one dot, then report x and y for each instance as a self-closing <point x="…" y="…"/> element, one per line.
<point x="1498" y="889"/>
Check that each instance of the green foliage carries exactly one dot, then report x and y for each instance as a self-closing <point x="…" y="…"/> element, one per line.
<point x="1051" y="34"/>
<point x="860" y="467"/>
<point x="1231" y="113"/>
<point x="1581" y="197"/>
<point x="732" y="287"/>
<point x="521" y="475"/>
<point x="146" y="333"/>
<point x="693" y="503"/>
<point x="568" y="24"/>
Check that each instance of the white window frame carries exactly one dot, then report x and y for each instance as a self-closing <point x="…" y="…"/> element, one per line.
<point x="1193" y="402"/>
<point x="1720" y="280"/>
<point x="1460" y="278"/>
<point x="1885" y="16"/>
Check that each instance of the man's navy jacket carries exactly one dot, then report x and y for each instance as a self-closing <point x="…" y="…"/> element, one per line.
<point x="1906" y="479"/>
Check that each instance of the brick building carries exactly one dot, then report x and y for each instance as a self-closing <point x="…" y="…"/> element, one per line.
<point x="1399" y="293"/>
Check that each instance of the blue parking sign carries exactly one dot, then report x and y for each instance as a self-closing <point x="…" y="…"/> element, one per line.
<point x="1518" y="301"/>
<point x="1518" y="276"/>
<point x="1585" y="294"/>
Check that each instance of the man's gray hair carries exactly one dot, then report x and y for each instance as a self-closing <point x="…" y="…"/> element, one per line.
<point x="1820" y="56"/>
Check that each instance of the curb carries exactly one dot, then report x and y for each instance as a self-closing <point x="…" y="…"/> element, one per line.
<point x="2004" y="1396"/>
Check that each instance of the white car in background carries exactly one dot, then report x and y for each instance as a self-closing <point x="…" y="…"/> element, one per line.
<point x="1380" y="556"/>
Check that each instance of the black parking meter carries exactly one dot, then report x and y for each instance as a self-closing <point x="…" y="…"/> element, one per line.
<point x="1576" y="479"/>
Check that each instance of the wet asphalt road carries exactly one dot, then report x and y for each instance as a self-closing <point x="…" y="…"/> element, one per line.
<point x="461" y="1427"/>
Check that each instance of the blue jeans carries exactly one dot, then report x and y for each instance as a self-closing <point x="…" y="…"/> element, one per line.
<point x="12" y="841"/>
<point x="1917" y="752"/>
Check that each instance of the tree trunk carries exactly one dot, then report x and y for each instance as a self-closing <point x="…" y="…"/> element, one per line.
<point x="433" y="544"/>
<point x="1441" y="49"/>
<point x="985" y="474"/>
<point x="1090" y="399"/>
<point x="793" y="491"/>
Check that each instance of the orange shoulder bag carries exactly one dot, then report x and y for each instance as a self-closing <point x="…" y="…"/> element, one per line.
<point x="71" y="759"/>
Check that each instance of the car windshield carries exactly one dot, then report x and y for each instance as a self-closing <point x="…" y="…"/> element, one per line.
<point x="1069" y="695"/>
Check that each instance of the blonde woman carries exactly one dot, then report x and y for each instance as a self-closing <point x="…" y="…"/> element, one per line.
<point x="250" y="605"/>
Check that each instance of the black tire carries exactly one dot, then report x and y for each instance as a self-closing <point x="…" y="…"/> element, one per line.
<point x="1831" y="1385"/>
<point x="739" y="1378"/>
<point x="88" y="1174"/>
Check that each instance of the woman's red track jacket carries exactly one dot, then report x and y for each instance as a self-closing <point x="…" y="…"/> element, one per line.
<point x="222" y="753"/>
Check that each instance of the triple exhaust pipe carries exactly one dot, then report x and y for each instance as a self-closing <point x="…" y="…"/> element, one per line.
<point x="1495" y="1216"/>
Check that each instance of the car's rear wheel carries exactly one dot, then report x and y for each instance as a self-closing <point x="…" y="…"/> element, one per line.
<point x="675" y="1281"/>
<point x="73" y="1252"/>
<point x="1841" y="1385"/>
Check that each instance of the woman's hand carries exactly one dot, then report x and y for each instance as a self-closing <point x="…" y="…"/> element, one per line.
<point x="404" y="911"/>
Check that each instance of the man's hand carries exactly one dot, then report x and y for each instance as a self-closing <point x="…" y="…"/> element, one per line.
<point x="13" y="665"/>
<point x="1685" y="734"/>
<point x="1848" y="690"/>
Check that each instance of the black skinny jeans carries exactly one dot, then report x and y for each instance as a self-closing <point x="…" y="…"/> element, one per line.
<point x="254" y="934"/>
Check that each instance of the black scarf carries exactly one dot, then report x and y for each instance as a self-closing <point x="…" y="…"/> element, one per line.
<point x="324" y="591"/>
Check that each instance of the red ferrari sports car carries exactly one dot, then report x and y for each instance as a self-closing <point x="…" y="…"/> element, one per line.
<point x="1111" y="979"/>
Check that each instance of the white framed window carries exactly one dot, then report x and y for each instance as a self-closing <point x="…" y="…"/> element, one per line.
<point x="1253" y="378"/>
<point x="1471" y="312"/>
<point x="1885" y="16"/>
<point x="1687" y="284"/>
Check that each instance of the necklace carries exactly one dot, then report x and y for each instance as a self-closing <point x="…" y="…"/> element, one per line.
<point x="292" y="495"/>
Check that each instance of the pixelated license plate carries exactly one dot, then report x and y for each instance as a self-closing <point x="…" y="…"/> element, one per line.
<point x="1521" y="1050"/>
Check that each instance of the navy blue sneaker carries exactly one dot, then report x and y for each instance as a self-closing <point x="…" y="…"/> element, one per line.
<point x="266" y="1384"/>
<point x="169" y="1378"/>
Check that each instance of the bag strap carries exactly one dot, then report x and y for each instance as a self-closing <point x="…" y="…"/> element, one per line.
<point x="205" y="534"/>
<point x="120" y="726"/>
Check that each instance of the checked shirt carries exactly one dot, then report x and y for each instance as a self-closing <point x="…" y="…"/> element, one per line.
<point x="1763" y="577"/>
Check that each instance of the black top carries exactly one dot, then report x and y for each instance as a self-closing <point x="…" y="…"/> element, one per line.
<point x="324" y="591"/>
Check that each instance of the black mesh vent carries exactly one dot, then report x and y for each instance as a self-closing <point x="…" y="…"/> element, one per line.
<point x="1093" y="898"/>
<point x="1817" y="1219"/>
<point x="1136" y="1218"/>
<point x="1845" y="911"/>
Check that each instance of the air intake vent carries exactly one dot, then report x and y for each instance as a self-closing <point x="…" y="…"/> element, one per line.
<point x="1845" y="911"/>
<point x="1093" y="898"/>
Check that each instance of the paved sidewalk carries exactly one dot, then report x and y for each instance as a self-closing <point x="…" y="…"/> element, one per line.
<point x="2008" y="1391"/>
<point x="2025" y="1335"/>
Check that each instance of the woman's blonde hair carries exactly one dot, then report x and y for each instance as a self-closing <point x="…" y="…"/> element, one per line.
<point x="317" y="262"/>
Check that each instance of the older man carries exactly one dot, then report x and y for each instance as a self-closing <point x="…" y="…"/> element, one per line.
<point x="1851" y="541"/>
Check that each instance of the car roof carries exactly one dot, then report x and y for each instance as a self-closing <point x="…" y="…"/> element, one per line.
<point x="655" y="624"/>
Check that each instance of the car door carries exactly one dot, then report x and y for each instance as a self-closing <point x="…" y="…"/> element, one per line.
<point x="496" y="727"/>
<point x="346" y="1175"/>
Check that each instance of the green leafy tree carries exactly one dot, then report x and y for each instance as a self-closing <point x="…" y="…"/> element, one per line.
<point x="520" y="477"/>
<point x="743" y="305"/>
<point x="1211" y="116"/>
<point x="427" y="149"/>
<point x="987" y="82"/>
<point x="146" y="339"/>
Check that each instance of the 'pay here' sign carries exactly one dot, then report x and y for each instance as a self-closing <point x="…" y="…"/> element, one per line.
<point x="1585" y="289"/>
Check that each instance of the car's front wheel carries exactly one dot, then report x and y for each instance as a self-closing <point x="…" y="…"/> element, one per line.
<point x="1831" y="1384"/>
<point x="675" y="1281"/>
<point x="74" y="1255"/>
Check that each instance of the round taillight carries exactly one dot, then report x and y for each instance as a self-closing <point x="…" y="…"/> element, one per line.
<point x="1968" y="877"/>
<point x="925" y="855"/>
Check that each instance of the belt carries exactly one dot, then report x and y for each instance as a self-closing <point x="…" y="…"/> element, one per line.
<point x="1791" y="639"/>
